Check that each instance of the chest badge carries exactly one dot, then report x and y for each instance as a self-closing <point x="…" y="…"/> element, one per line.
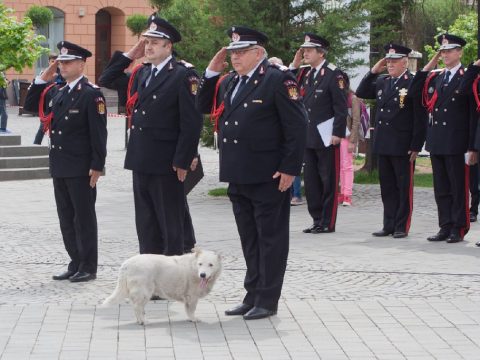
<point x="402" y="93"/>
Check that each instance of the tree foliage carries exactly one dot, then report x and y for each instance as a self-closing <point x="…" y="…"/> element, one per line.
<point x="40" y="15"/>
<point x="137" y="23"/>
<point x="19" y="46"/>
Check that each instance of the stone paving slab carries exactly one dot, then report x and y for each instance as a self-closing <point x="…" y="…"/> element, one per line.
<point x="347" y="295"/>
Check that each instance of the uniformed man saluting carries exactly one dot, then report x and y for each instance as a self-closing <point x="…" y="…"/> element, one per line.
<point x="323" y="87"/>
<point x="164" y="134"/>
<point x="400" y="127"/>
<point x="450" y="135"/>
<point x="75" y="117"/>
<point x="261" y="123"/>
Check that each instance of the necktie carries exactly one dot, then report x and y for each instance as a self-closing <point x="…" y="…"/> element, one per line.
<point x="393" y="81"/>
<point x="446" y="79"/>
<point x="311" y="77"/>
<point x="152" y="75"/>
<point x="64" y="95"/>
<point x="241" y="85"/>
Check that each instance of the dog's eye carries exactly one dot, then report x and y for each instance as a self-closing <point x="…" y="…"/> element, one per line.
<point x="199" y="264"/>
<point x="210" y="265"/>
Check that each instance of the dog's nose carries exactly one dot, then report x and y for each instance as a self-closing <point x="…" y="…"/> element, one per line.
<point x="203" y="275"/>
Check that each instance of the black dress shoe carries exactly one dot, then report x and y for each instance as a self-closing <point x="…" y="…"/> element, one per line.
<point x="440" y="236"/>
<point x="382" y="232"/>
<point x="82" y="276"/>
<point x="473" y="217"/>
<point x="312" y="229"/>
<point x="399" y="234"/>
<point x="454" y="238"/>
<point x="478" y="243"/>
<point x="64" y="276"/>
<point x="241" y="309"/>
<point x="258" y="313"/>
<point x="322" y="229"/>
<point x="156" y="297"/>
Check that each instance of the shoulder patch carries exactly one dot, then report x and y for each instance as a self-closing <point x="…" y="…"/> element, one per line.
<point x="93" y="85"/>
<point x="331" y="66"/>
<point x="279" y="67"/>
<point x="341" y="81"/>
<point x="186" y="64"/>
<point x="292" y="90"/>
<point x="100" y="103"/>
<point x="193" y="84"/>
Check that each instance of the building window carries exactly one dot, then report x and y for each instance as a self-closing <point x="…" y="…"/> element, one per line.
<point x="54" y="32"/>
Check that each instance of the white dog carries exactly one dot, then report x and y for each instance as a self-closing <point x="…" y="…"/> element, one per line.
<point x="185" y="278"/>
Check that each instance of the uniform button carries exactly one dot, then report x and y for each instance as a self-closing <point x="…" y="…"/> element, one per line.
<point x="226" y="122"/>
<point x="453" y="99"/>
<point x="235" y="141"/>
<point x="154" y="96"/>
<point x="53" y="131"/>
<point x="444" y="123"/>
<point x="436" y="109"/>
<point x="436" y="122"/>
<point x="315" y="96"/>
<point x="309" y="109"/>
<point x="225" y="140"/>
<point x="445" y="110"/>
<point x="136" y="110"/>
<point x="53" y="146"/>
<point x="60" y="148"/>
<point x="60" y="132"/>
<point x="381" y="109"/>
<point x="379" y="122"/>
<point x="387" y="123"/>
<point x="395" y="99"/>
<point x="141" y="129"/>
<point x="245" y="105"/>
<point x="143" y="112"/>
<point x="388" y="110"/>
<point x="236" y="122"/>
<point x="133" y="127"/>
<point x="66" y="117"/>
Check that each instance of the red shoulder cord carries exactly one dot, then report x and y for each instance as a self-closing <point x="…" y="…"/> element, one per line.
<point x="299" y="78"/>
<point x="475" y="92"/>
<point x="131" y="98"/>
<point x="217" y="111"/>
<point x="45" y="119"/>
<point x="429" y="103"/>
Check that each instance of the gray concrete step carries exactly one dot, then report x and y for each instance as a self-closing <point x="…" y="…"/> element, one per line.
<point x="10" y="139"/>
<point x="24" y="174"/>
<point x="14" y="162"/>
<point x="27" y="150"/>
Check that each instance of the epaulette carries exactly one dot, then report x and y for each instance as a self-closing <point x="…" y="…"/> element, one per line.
<point x="186" y="64"/>
<point x="331" y="67"/>
<point x="279" y="67"/>
<point x="95" y="86"/>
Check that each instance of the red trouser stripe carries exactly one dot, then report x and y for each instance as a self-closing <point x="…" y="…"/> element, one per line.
<point x="410" y="197"/>
<point x="464" y="230"/>
<point x="333" y="219"/>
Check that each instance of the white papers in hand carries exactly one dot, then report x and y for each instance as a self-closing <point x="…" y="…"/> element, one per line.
<point x="325" y="129"/>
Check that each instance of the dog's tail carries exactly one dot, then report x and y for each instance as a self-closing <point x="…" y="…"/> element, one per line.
<point x="120" y="292"/>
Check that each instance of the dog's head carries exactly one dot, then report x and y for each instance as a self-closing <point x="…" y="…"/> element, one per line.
<point x="209" y="266"/>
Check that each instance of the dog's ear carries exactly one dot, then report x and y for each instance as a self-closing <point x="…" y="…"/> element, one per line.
<point x="197" y="251"/>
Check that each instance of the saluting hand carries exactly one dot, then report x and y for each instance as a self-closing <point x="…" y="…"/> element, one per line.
<point x="477" y="63"/>
<point x="138" y="50"/>
<point x="218" y="62"/>
<point x="181" y="173"/>
<point x="285" y="180"/>
<point x="94" y="175"/>
<point x="50" y="73"/>
<point x="432" y="64"/>
<point x="379" y="67"/>
<point x="297" y="60"/>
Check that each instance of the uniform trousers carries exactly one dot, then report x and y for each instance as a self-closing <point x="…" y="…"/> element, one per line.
<point x="396" y="186"/>
<point x="160" y="206"/>
<point x="451" y="187"/>
<point x="75" y="201"/>
<point x="321" y="176"/>
<point x="474" y="190"/>
<point x="262" y="214"/>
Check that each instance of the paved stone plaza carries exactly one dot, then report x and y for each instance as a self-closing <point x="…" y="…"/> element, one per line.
<point x="346" y="295"/>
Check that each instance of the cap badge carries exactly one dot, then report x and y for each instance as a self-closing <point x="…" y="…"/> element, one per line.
<point x="444" y="41"/>
<point x="153" y="26"/>
<point x="64" y="51"/>
<point x="307" y="38"/>
<point x="235" y="37"/>
<point x="153" y="17"/>
<point x="391" y="51"/>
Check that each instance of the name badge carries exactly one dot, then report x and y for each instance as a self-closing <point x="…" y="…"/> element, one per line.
<point x="74" y="111"/>
<point x="319" y="91"/>
<point x="257" y="101"/>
